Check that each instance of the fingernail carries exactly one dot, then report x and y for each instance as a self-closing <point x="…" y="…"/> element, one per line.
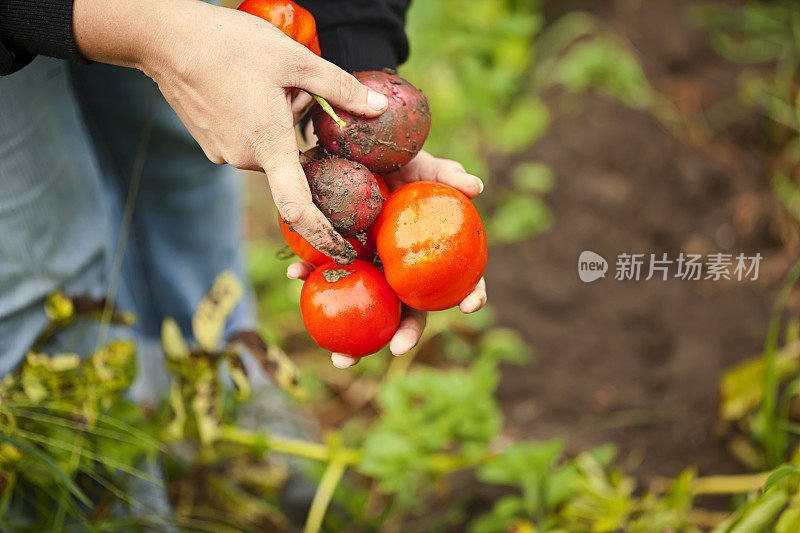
<point x="469" y="305"/>
<point x="377" y="101"/>
<point x="341" y="361"/>
<point x="480" y="182"/>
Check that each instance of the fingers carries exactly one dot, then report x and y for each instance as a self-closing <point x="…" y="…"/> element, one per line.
<point x="408" y="334"/>
<point x="339" y="88"/>
<point x="474" y="300"/>
<point x="425" y="167"/>
<point x="299" y="270"/>
<point x="301" y="103"/>
<point x="277" y="156"/>
<point x="341" y="360"/>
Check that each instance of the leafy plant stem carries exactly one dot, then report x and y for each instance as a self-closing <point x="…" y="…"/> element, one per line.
<point x="327" y="485"/>
<point x="771" y="437"/>
<point x="440" y="462"/>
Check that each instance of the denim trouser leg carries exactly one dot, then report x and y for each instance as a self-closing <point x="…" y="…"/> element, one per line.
<point x="53" y="213"/>
<point x="187" y="214"/>
<point x="186" y="229"/>
<point x="68" y="140"/>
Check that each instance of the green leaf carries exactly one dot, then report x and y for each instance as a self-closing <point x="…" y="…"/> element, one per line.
<point x="501" y="518"/>
<point x="602" y="64"/>
<point x="760" y="514"/>
<point x="533" y="177"/>
<point x="504" y="345"/>
<point x="789" y="522"/>
<point x="51" y="465"/>
<point x="779" y="474"/>
<point x="521" y="126"/>
<point x="58" y="307"/>
<point x="518" y="218"/>
<point x="741" y="386"/>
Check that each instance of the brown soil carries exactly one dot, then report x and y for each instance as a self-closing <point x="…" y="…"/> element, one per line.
<point x="637" y="363"/>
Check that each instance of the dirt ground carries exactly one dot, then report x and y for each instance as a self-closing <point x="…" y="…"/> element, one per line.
<point x="637" y="363"/>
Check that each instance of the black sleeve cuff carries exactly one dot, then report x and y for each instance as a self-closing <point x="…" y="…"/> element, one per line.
<point x="361" y="34"/>
<point x="355" y="48"/>
<point x="30" y="27"/>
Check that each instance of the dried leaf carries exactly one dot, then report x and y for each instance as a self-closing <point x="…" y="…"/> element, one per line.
<point x="172" y="341"/>
<point x="209" y="318"/>
<point x="273" y="360"/>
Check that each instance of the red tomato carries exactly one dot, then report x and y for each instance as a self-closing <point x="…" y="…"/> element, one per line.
<point x="385" y="192"/>
<point x="293" y="20"/>
<point x="432" y="245"/>
<point x="303" y="249"/>
<point x="349" y="309"/>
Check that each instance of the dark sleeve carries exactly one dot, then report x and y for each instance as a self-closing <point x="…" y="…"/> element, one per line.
<point x="361" y="34"/>
<point x="30" y="27"/>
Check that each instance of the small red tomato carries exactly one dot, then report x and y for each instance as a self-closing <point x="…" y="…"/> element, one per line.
<point x="293" y="20"/>
<point x="432" y="245"/>
<point x="385" y="192"/>
<point x="349" y="309"/>
<point x="303" y="249"/>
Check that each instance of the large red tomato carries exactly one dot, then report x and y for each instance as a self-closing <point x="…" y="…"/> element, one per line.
<point x="349" y="309"/>
<point x="303" y="249"/>
<point x="432" y="245"/>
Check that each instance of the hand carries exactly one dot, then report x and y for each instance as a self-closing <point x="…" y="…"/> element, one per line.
<point x="423" y="167"/>
<point x="229" y="77"/>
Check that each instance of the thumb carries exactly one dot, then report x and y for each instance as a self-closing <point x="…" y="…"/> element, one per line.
<point x="339" y="88"/>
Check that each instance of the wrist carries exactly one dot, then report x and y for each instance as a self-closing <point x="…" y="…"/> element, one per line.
<point x="128" y="33"/>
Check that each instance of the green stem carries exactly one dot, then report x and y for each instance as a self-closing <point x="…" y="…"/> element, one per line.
<point x="772" y="441"/>
<point x="328" y="109"/>
<point x="327" y="485"/>
<point x="296" y="447"/>
<point x="439" y="462"/>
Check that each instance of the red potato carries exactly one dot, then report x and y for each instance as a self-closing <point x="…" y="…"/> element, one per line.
<point x="346" y="192"/>
<point x="384" y="143"/>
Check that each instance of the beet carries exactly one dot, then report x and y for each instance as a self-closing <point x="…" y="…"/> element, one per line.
<point x="346" y="192"/>
<point x="384" y="143"/>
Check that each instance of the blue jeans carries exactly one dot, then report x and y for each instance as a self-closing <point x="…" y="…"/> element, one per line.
<point x="68" y="140"/>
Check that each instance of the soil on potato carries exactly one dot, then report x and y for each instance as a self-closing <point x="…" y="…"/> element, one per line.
<point x="637" y="363"/>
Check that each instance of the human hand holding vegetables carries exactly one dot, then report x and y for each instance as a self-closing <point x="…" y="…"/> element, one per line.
<point x="423" y="167"/>
<point x="229" y="76"/>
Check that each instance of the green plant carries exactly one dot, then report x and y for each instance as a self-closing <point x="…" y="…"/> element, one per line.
<point x="486" y="67"/>
<point x="765" y="38"/>
<point x="67" y="431"/>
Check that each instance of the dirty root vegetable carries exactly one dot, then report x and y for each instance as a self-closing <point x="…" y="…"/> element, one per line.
<point x="384" y="143"/>
<point x="432" y="245"/>
<point x="346" y="192"/>
<point x="303" y="249"/>
<point x="349" y="309"/>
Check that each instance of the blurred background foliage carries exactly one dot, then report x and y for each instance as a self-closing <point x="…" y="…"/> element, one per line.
<point x="486" y="68"/>
<point x="417" y="443"/>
